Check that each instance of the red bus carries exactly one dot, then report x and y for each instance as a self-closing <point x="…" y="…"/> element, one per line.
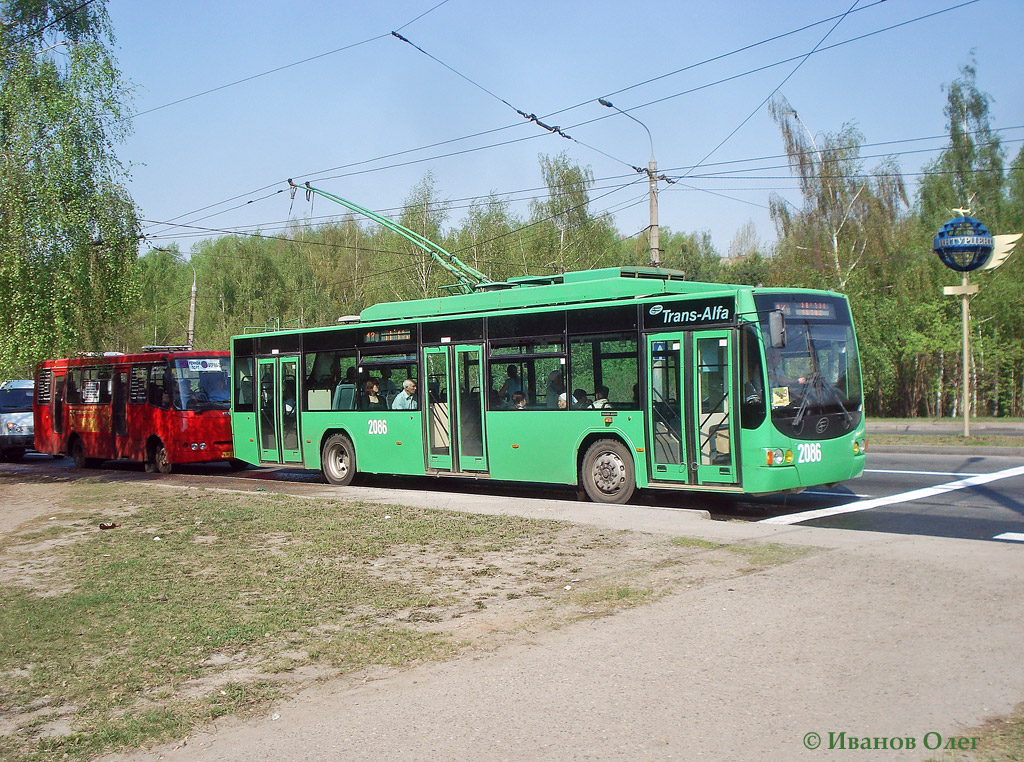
<point x="163" y="408"/>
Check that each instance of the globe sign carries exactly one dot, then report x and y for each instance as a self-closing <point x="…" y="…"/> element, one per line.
<point x="963" y="244"/>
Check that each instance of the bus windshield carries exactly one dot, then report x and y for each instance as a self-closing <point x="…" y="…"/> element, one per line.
<point x="200" y="383"/>
<point x="814" y="380"/>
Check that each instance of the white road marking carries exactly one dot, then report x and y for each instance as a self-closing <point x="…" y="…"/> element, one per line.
<point x="1012" y="536"/>
<point x="903" y="497"/>
<point x="919" y="473"/>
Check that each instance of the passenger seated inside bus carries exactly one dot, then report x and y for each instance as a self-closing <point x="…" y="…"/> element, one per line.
<point x="518" y="401"/>
<point x="600" y="398"/>
<point x="580" y="400"/>
<point x="371" y="399"/>
<point x="406" y="399"/>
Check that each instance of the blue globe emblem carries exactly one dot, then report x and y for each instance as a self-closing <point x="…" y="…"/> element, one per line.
<point x="963" y="244"/>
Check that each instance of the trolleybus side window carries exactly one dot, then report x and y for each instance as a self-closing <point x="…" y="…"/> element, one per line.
<point x="331" y="382"/>
<point x="535" y="368"/>
<point x="605" y="362"/>
<point x="243" y="384"/>
<point x="388" y="370"/>
<point x="753" y="408"/>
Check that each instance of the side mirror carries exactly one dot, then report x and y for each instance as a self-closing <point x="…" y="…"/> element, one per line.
<point x="777" y="329"/>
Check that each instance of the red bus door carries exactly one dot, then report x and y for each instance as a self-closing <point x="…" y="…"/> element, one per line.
<point x="119" y="412"/>
<point x="57" y="413"/>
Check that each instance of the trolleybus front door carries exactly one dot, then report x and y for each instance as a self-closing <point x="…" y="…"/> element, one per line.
<point x="692" y="432"/>
<point x="277" y="413"/>
<point x="455" y="406"/>
<point x="714" y="423"/>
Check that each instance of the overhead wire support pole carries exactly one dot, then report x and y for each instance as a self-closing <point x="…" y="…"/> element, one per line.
<point x="469" y="279"/>
<point x="652" y="186"/>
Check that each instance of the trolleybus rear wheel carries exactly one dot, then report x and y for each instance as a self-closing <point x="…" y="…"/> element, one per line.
<point x="607" y="473"/>
<point x="338" y="459"/>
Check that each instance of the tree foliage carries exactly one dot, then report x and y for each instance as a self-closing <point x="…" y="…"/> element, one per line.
<point x="68" y="229"/>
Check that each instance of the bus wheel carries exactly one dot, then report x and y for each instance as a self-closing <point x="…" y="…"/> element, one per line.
<point x="606" y="473"/>
<point x="78" y="455"/>
<point x="338" y="460"/>
<point x="157" y="461"/>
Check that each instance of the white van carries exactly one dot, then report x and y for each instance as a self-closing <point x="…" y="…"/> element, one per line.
<point x="15" y="418"/>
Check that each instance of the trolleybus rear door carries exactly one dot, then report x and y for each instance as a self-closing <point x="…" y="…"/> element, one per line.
<point x="439" y="408"/>
<point x="470" y="409"/>
<point x="714" y="460"/>
<point x="277" y="397"/>
<point x="665" y="440"/>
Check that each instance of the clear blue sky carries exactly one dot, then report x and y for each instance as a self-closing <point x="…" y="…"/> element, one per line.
<point x="382" y="97"/>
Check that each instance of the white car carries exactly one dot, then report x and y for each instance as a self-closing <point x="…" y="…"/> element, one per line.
<point x="15" y="419"/>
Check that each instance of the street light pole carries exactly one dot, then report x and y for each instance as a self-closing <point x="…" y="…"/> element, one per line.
<point x="190" y="334"/>
<point x="652" y="186"/>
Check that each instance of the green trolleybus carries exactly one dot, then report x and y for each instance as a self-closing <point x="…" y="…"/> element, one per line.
<point x="611" y="380"/>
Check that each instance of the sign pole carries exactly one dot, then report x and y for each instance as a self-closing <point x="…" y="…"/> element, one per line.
<point x="966" y="320"/>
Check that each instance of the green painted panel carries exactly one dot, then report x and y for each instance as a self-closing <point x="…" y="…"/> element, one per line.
<point x="386" y="442"/>
<point x="542" y="445"/>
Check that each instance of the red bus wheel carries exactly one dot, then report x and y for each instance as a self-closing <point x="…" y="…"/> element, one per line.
<point x="78" y="455"/>
<point x="157" y="462"/>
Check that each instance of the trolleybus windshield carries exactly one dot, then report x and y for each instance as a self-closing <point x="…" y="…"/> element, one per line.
<point x="814" y="380"/>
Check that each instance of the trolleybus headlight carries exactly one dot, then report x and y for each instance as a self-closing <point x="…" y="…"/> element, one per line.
<point x="778" y="457"/>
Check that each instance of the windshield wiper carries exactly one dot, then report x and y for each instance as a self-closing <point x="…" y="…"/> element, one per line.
<point x="820" y="386"/>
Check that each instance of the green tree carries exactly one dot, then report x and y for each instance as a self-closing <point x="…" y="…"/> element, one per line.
<point x="68" y="228"/>
<point x="969" y="172"/>
<point x="846" y="214"/>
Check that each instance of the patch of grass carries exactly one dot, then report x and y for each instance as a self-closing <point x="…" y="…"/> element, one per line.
<point x="194" y="585"/>
<point x="1001" y="740"/>
<point x="764" y="555"/>
<point x="694" y="542"/>
<point x="946" y="440"/>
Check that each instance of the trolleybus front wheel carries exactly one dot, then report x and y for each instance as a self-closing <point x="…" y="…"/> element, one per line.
<point x="607" y="473"/>
<point x="338" y="459"/>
